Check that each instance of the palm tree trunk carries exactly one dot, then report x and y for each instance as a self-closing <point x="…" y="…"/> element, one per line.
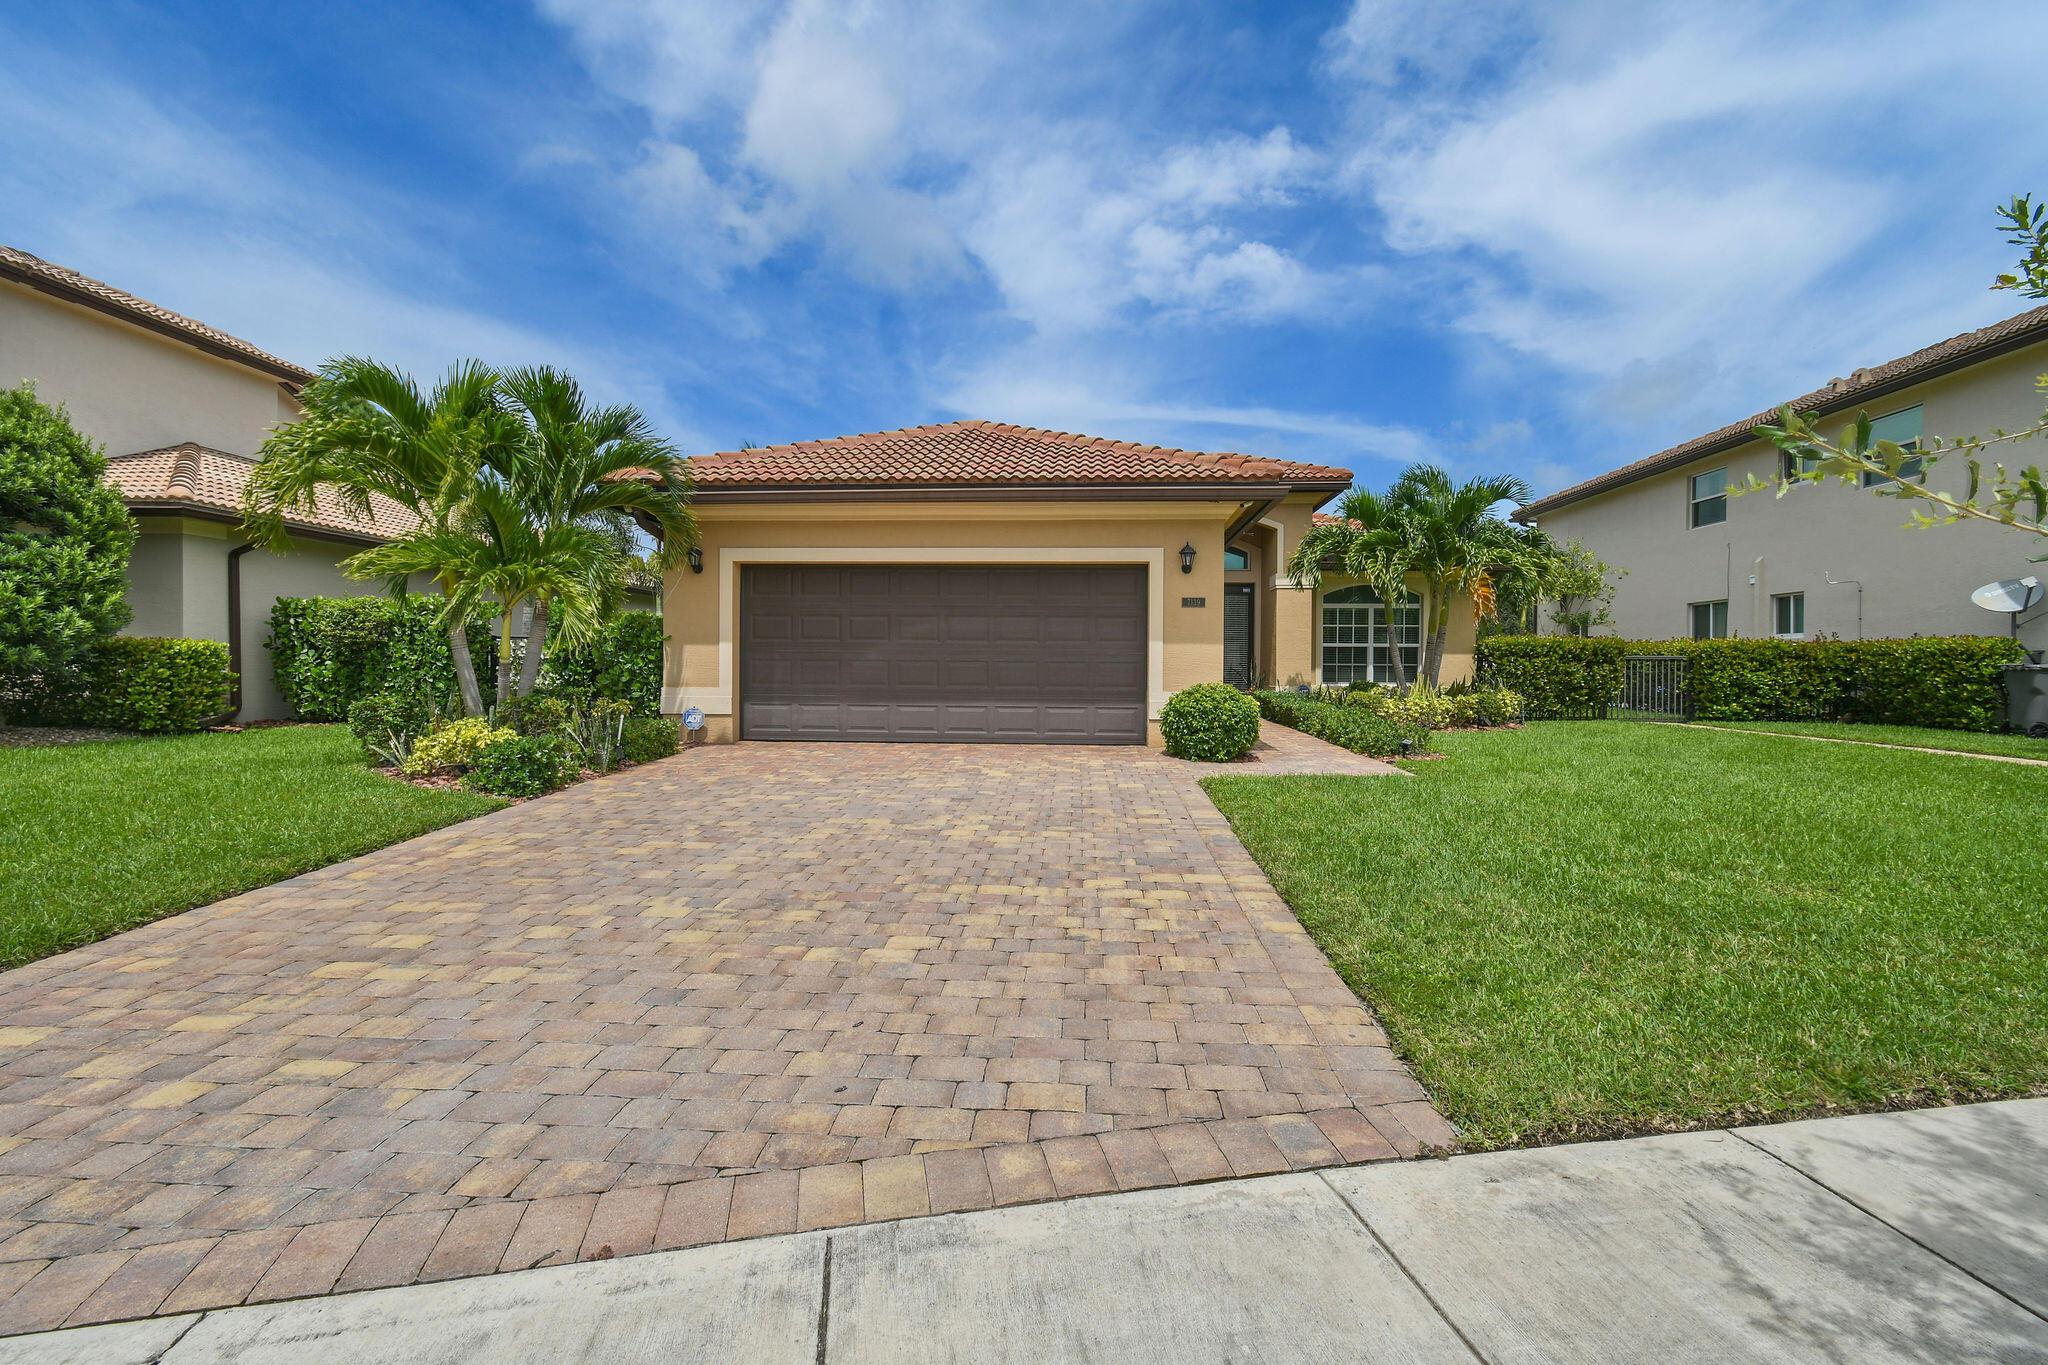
<point x="536" y="645"/>
<point x="465" y="669"/>
<point x="1391" y="593"/>
<point x="1439" y="620"/>
<point x="505" y="657"/>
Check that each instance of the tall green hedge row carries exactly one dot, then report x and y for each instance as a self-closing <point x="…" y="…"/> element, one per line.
<point x="327" y="653"/>
<point x="1945" y="682"/>
<point x="135" y="682"/>
<point x="623" y="663"/>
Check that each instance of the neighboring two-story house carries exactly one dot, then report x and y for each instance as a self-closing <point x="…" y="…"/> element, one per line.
<point x="1822" y="559"/>
<point x="182" y="408"/>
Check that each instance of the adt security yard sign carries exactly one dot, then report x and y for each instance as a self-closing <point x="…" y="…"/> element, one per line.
<point x="693" y="719"/>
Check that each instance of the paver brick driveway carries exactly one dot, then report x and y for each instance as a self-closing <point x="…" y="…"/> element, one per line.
<point x="743" y="991"/>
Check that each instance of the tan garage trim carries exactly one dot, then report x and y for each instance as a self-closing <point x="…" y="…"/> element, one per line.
<point x="719" y="701"/>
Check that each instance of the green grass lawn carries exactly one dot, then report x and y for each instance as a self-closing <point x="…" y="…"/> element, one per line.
<point x="1960" y="741"/>
<point x="97" y="838"/>
<point x="1583" y="929"/>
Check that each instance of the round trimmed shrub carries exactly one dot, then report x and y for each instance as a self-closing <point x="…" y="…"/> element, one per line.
<point x="1209" y="722"/>
<point x="523" y="765"/>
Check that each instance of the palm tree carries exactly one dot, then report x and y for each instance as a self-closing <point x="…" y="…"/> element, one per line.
<point x="1458" y="544"/>
<point x="1371" y="541"/>
<point x="368" y="430"/>
<point x="587" y="479"/>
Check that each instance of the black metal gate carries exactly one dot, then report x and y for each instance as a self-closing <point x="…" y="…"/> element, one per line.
<point x="1653" y="687"/>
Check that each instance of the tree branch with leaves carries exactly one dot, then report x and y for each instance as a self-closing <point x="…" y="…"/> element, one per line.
<point x="2000" y="491"/>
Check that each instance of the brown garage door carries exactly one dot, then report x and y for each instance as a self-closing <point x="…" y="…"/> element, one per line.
<point x="1050" y="654"/>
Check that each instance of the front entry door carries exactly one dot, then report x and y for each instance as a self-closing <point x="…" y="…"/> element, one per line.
<point x="1237" y="634"/>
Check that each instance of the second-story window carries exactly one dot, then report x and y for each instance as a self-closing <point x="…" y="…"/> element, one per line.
<point x="1710" y="497"/>
<point x="1902" y="428"/>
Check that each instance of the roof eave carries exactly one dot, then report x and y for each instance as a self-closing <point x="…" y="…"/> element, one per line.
<point x="85" y="298"/>
<point x="175" y="507"/>
<point x="1011" y="492"/>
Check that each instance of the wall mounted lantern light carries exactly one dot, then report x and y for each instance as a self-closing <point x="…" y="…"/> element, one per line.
<point x="696" y="560"/>
<point x="1187" y="558"/>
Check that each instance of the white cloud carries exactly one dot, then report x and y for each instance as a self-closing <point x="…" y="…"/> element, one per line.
<point x="248" y="236"/>
<point x="899" y="139"/>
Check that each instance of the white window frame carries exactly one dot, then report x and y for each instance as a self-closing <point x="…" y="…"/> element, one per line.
<point x="1692" y="619"/>
<point x="1797" y="602"/>
<point x="1357" y="631"/>
<point x="1694" y="502"/>
<point x="1912" y="468"/>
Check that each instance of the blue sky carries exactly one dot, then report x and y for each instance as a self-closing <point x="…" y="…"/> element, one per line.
<point x="1541" y="238"/>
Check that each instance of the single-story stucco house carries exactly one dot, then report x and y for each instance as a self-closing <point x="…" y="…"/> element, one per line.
<point x="980" y="582"/>
<point x="182" y="409"/>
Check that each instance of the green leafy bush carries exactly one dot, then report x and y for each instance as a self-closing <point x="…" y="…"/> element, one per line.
<point x="455" y="744"/>
<point x="1209" y="722"/>
<point x="1349" y="726"/>
<point x="1460" y="705"/>
<point x="623" y="661"/>
<point x="647" y="738"/>
<point x="388" y="724"/>
<point x="1943" y="682"/>
<point x="522" y="765"/>
<point x="1557" y="676"/>
<point x="65" y="538"/>
<point x="327" y="653"/>
<point x="140" y="682"/>
<point x="541" y="713"/>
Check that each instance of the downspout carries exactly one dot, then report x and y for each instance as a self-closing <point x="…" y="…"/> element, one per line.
<point x="234" y="634"/>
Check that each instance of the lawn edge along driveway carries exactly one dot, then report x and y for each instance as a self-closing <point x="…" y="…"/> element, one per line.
<point x="1592" y="929"/>
<point x="99" y="837"/>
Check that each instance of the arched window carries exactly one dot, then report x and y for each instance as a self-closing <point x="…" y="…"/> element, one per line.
<point x="1355" y="639"/>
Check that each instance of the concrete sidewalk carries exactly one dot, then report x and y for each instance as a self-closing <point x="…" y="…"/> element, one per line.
<point x="1899" y="1237"/>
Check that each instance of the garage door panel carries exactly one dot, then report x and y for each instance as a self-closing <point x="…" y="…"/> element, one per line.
<point x="1008" y="653"/>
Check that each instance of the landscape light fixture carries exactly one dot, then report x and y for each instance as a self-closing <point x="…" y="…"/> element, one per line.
<point x="1187" y="558"/>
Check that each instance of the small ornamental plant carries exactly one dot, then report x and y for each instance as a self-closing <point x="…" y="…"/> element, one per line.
<point x="455" y="744"/>
<point x="1210" y="723"/>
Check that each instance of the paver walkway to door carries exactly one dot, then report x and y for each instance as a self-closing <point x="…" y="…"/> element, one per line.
<point x="748" y="990"/>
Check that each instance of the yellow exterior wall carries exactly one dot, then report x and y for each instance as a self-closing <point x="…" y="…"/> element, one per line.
<point x="701" y="610"/>
<point x="1185" y="643"/>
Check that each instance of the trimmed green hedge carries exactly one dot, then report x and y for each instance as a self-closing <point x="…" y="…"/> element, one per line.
<point x="1557" y="676"/>
<point x="1349" y="727"/>
<point x="1944" y="682"/>
<point x="146" y="683"/>
<point x="622" y="663"/>
<point x="328" y="653"/>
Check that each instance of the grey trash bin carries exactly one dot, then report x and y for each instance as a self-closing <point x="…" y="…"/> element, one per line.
<point x="2026" y="699"/>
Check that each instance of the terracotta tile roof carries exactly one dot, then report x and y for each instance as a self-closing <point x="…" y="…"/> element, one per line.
<point x="211" y="482"/>
<point x="40" y="274"/>
<point x="989" y="454"/>
<point x="1837" y="394"/>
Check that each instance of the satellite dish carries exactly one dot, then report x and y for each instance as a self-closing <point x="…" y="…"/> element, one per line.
<point x="2011" y="594"/>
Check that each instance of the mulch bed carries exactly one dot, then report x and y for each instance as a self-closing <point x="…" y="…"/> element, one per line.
<point x="44" y="736"/>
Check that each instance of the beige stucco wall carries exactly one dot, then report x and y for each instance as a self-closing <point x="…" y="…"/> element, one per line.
<point x="1185" y="644"/>
<point x="1914" y="581"/>
<point x="178" y="585"/>
<point x="701" y="610"/>
<point x="129" y="388"/>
